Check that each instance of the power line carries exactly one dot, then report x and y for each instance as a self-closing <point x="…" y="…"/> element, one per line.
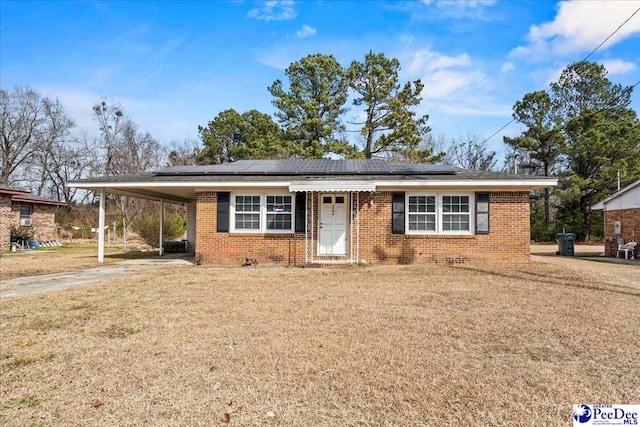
<point x="585" y="58"/>
<point x="612" y="34"/>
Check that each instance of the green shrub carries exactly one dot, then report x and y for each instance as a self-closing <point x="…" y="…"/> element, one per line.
<point x="21" y="233"/>
<point x="147" y="227"/>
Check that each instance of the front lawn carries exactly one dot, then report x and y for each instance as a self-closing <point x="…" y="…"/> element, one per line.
<point x="416" y="345"/>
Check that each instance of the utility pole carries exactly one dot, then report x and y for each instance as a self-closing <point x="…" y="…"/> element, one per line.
<point x="618" y="179"/>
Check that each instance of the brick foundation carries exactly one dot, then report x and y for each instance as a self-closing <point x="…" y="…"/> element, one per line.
<point x="506" y="244"/>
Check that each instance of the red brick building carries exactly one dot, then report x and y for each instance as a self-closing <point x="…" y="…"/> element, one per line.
<point x="18" y="208"/>
<point x="621" y="217"/>
<point x="301" y="212"/>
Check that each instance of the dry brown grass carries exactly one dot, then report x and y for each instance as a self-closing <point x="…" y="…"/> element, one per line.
<point x="418" y="345"/>
<point x="59" y="259"/>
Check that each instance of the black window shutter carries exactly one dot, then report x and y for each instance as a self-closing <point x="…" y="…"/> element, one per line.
<point x="223" y="212"/>
<point x="301" y="212"/>
<point x="482" y="213"/>
<point x="397" y="212"/>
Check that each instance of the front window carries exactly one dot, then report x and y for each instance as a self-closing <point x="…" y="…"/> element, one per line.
<point x="434" y="213"/>
<point x="262" y="213"/>
<point x="422" y="213"/>
<point x="25" y="211"/>
<point x="455" y="213"/>
<point x="247" y="213"/>
<point x="279" y="213"/>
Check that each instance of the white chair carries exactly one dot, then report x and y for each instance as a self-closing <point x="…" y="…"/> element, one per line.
<point x="629" y="248"/>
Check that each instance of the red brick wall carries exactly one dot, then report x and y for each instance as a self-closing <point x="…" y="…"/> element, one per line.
<point x="6" y="221"/>
<point x="507" y="243"/>
<point x="42" y="218"/>
<point x="630" y="227"/>
<point x="233" y="248"/>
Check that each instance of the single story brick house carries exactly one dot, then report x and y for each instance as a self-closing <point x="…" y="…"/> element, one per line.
<point x="621" y="216"/>
<point x="18" y="208"/>
<point x="305" y="212"/>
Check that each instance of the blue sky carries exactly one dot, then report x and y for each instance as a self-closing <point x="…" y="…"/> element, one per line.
<point x="175" y="65"/>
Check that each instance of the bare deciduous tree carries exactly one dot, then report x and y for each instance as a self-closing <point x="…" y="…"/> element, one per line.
<point x="126" y="151"/>
<point x="183" y="153"/>
<point x="29" y="126"/>
<point x="471" y="153"/>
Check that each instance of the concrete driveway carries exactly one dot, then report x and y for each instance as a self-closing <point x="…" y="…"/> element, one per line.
<point x="21" y="286"/>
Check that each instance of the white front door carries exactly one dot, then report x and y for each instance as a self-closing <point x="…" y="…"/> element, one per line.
<point x="332" y="229"/>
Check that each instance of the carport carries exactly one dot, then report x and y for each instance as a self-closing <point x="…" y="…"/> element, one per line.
<point x="163" y="192"/>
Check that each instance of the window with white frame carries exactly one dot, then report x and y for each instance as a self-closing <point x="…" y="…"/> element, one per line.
<point x="422" y="213"/>
<point x="433" y="213"/>
<point x="279" y="213"/>
<point x="268" y="213"/>
<point x="247" y="212"/>
<point x="456" y="213"/>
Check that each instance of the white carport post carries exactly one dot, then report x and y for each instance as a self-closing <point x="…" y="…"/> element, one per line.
<point x="160" y="240"/>
<point x="101" y="227"/>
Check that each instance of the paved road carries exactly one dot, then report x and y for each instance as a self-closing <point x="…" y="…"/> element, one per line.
<point x="21" y="286"/>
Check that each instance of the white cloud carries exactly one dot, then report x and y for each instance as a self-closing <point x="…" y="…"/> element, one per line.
<point x="471" y="4"/>
<point x="451" y="9"/>
<point x="305" y="31"/>
<point x="580" y="26"/>
<point x="443" y="75"/>
<point x="507" y="67"/>
<point x="445" y="83"/>
<point x="619" y="66"/>
<point x="274" y="10"/>
<point x="455" y="109"/>
<point x="425" y="60"/>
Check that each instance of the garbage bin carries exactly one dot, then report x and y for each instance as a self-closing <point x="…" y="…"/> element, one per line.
<point x="565" y="243"/>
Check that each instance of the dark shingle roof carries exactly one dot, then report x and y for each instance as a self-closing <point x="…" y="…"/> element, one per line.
<point x="13" y="189"/>
<point x="310" y="167"/>
<point x="461" y="174"/>
<point x="36" y="199"/>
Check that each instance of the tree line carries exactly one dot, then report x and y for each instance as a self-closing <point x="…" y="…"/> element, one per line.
<point x="581" y="130"/>
<point x="311" y="109"/>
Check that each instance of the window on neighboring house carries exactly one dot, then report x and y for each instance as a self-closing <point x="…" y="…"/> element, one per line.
<point x="247" y="213"/>
<point x="25" y="211"/>
<point x="432" y="213"/>
<point x="279" y="213"/>
<point x="455" y="213"/>
<point x="268" y="213"/>
<point x="422" y="213"/>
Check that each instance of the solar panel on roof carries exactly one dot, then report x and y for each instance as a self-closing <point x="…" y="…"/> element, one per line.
<point x="310" y="167"/>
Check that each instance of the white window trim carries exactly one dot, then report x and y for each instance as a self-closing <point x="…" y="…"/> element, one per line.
<point x="407" y="213"/>
<point x="263" y="212"/>
<point x="439" y="213"/>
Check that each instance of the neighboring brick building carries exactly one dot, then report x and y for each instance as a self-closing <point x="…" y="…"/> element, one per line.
<point x="621" y="217"/>
<point x="18" y="208"/>
<point x="301" y="212"/>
